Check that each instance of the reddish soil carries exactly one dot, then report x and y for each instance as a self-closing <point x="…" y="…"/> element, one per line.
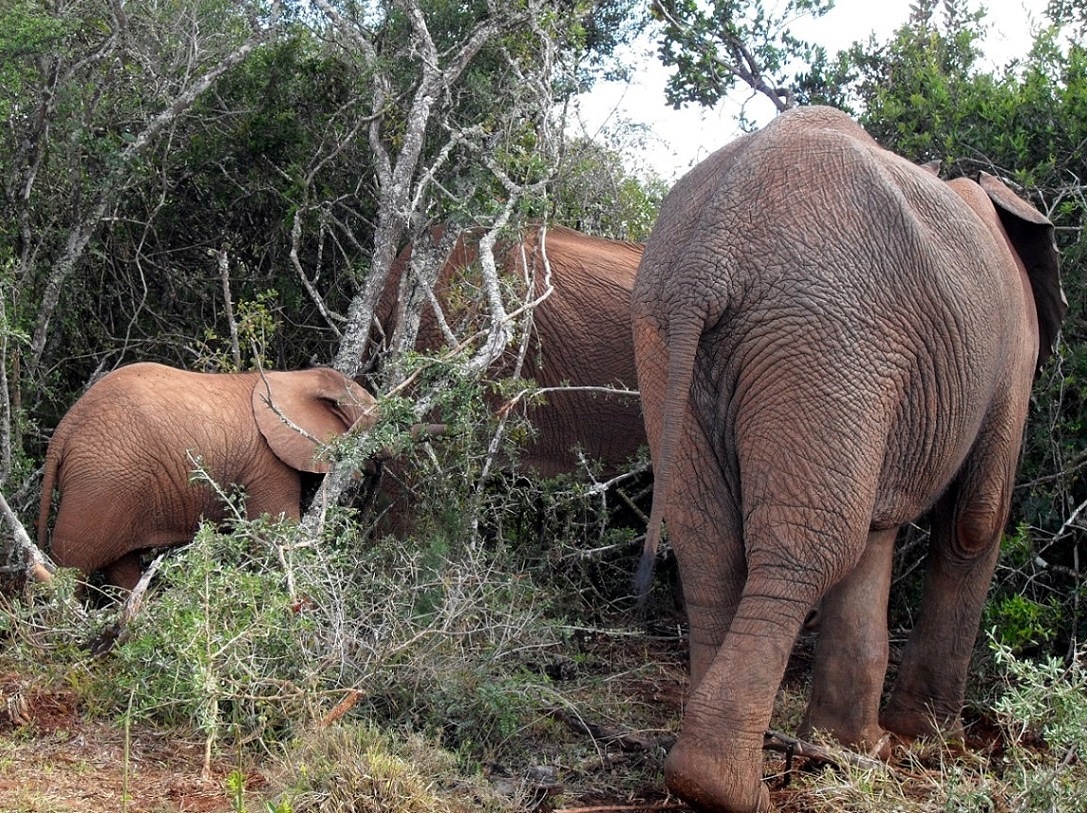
<point x="52" y="758"/>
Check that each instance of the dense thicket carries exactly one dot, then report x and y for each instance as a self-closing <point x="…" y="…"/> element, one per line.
<point x="208" y="183"/>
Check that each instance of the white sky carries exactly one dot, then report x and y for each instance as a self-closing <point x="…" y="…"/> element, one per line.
<point x="678" y="139"/>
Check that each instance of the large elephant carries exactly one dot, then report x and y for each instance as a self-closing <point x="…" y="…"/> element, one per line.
<point x="581" y="339"/>
<point x="831" y="341"/>
<point x="122" y="456"/>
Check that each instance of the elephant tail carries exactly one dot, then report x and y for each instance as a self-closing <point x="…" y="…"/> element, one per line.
<point x="49" y="481"/>
<point x="682" y="345"/>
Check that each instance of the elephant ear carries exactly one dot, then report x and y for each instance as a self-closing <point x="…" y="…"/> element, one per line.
<point x="1031" y="235"/>
<point x="298" y="411"/>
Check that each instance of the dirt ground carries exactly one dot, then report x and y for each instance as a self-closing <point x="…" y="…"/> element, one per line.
<point x="56" y="758"/>
<point x="52" y="758"/>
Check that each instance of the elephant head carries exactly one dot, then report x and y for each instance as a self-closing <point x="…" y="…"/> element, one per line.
<point x="122" y="456"/>
<point x="831" y="342"/>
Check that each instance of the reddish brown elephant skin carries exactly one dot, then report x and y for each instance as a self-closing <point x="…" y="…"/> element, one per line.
<point x="122" y="456"/>
<point x="581" y="338"/>
<point x="830" y="341"/>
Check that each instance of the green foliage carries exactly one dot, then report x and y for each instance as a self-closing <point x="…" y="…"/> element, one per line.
<point x="1044" y="698"/>
<point x="1068" y="12"/>
<point x="49" y="625"/>
<point x="239" y="638"/>
<point x="28" y="29"/>
<point x="255" y="323"/>
<point x="599" y="29"/>
<point x="595" y="193"/>
<point x="1019" y="623"/>
<point x="912" y="90"/>
<point x="219" y="650"/>
<point x="718" y="45"/>
<point x="1042" y="701"/>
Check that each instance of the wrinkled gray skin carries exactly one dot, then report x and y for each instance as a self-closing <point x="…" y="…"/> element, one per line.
<point x="829" y="342"/>
<point x="581" y="338"/>
<point x="120" y="458"/>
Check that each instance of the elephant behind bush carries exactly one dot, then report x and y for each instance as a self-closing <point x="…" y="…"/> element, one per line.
<point x="580" y="339"/>
<point x="121" y="459"/>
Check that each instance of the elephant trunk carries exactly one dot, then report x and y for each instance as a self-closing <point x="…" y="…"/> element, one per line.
<point x="681" y="347"/>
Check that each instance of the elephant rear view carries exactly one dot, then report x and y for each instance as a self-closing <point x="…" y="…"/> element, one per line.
<point x="830" y="342"/>
<point x="121" y="458"/>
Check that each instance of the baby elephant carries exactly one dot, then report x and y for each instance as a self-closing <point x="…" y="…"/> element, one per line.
<point x="121" y="458"/>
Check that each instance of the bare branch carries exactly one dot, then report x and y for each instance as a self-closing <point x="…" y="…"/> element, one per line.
<point x="397" y="190"/>
<point x="311" y="289"/>
<point x="228" y="304"/>
<point x="38" y="565"/>
<point x="110" y="190"/>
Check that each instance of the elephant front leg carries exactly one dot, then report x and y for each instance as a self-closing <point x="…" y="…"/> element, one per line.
<point x="851" y="654"/>
<point x="126" y="571"/>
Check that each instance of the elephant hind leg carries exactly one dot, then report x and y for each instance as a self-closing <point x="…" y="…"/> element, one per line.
<point x="717" y="760"/>
<point x="851" y="653"/>
<point x="967" y="523"/>
<point x="124" y="572"/>
<point x="716" y="763"/>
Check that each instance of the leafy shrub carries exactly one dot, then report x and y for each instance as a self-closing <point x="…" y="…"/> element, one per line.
<point x="1044" y="698"/>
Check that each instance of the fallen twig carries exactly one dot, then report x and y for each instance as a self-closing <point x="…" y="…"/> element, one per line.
<point x="340" y="709"/>
<point x="777" y="741"/>
<point x="772" y="741"/>
<point x="626" y="740"/>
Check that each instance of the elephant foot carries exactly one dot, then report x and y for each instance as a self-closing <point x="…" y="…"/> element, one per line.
<point x="916" y="720"/>
<point x="869" y="739"/>
<point x="708" y="784"/>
